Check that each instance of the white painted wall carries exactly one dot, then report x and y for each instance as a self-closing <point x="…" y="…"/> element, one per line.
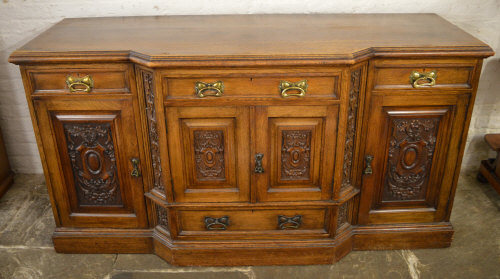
<point x="22" y="20"/>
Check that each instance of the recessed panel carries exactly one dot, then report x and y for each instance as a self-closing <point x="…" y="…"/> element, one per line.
<point x="209" y="155"/>
<point x="93" y="163"/>
<point x="411" y="150"/>
<point x="296" y="151"/>
<point x="209" y="152"/>
<point x="296" y="155"/>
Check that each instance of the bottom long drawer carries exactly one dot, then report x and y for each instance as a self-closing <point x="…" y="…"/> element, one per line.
<point x="254" y="222"/>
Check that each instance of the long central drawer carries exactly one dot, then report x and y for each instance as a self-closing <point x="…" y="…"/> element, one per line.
<point x="270" y="221"/>
<point x="242" y="83"/>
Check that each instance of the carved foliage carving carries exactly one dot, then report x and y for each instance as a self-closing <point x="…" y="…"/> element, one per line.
<point x="352" y="112"/>
<point x="149" y="96"/>
<point x="411" y="149"/>
<point x="342" y="215"/>
<point x="209" y="154"/>
<point x="296" y="154"/>
<point x="161" y="214"/>
<point x="93" y="161"/>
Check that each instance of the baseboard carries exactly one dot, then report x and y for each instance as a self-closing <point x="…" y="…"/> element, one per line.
<point x="414" y="236"/>
<point x="103" y="241"/>
<point x="6" y="183"/>
<point x="249" y="253"/>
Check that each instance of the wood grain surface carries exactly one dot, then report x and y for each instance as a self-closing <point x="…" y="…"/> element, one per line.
<point x="315" y="37"/>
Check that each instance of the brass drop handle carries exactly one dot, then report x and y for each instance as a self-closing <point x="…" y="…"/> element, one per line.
<point x="204" y="89"/>
<point x="286" y="86"/>
<point x="418" y="79"/>
<point x="135" y="165"/>
<point x="75" y="84"/>
<point x="286" y="223"/>
<point x="258" y="163"/>
<point x="368" y="170"/>
<point x="214" y="224"/>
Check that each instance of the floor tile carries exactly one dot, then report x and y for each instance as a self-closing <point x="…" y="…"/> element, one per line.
<point x="26" y="249"/>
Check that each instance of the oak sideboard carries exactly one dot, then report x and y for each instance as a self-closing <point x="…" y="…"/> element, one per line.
<point x="251" y="139"/>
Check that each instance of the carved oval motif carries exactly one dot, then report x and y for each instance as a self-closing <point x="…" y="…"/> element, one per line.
<point x="409" y="157"/>
<point x="209" y="158"/>
<point x="295" y="156"/>
<point x="93" y="161"/>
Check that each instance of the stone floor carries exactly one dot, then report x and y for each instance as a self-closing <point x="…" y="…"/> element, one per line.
<point x="26" y="250"/>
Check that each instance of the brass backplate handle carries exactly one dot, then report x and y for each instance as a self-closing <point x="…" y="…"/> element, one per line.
<point x="368" y="170"/>
<point x="204" y="89"/>
<point x="77" y="84"/>
<point x="427" y="79"/>
<point x="135" y="168"/>
<point x="286" y="86"/>
<point x="258" y="163"/>
<point x="216" y="224"/>
<point x="286" y="223"/>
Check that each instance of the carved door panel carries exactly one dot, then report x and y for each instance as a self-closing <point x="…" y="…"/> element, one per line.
<point x="409" y="142"/>
<point x="89" y="147"/>
<point x="209" y="153"/>
<point x="297" y="145"/>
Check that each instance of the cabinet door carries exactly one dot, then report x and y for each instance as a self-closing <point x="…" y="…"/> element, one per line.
<point x="209" y="153"/>
<point x="414" y="142"/>
<point x="298" y="148"/>
<point x="88" y="147"/>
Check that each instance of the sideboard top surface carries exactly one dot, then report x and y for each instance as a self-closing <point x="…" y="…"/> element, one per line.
<point x="239" y="37"/>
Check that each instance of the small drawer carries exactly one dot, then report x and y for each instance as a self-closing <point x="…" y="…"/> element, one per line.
<point x="80" y="80"/>
<point x="254" y="86"/>
<point x="311" y="220"/>
<point x="417" y="75"/>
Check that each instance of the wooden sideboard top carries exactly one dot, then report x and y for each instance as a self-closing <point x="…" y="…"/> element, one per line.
<point x="307" y="39"/>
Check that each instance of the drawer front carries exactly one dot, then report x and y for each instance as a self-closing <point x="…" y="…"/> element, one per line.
<point x="224" y="221"/>
<point x="241" y="85"/>
<point x="111" y="78"/>
<point x="420" y="74"/>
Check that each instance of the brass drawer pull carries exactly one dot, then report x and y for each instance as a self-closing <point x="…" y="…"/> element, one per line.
<point x="204" y="89"/>
<point x="285" y="86"/>
<point x="418" y="80"/>
<point x="285" y="222"/>
<point x="214" y="224"/>
<point x="368" y="170"/>
<point x="75" y="83"/>
<point x="135" y="165"/>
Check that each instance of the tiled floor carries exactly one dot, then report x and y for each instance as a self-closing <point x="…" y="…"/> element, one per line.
<point x="26" y="250"/>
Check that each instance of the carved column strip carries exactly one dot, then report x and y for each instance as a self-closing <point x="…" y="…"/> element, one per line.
<point x="343" y="216"/>
<point x="149" y="96"/>
<point x="352" y="112"/>
<point x="162" y="218"/>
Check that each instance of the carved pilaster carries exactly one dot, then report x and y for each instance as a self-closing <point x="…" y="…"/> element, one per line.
<point x="149" y="96"/>
<point x="162" y="218"/>
<point x="343" y="212"/>
<point x="352" y="112"/>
